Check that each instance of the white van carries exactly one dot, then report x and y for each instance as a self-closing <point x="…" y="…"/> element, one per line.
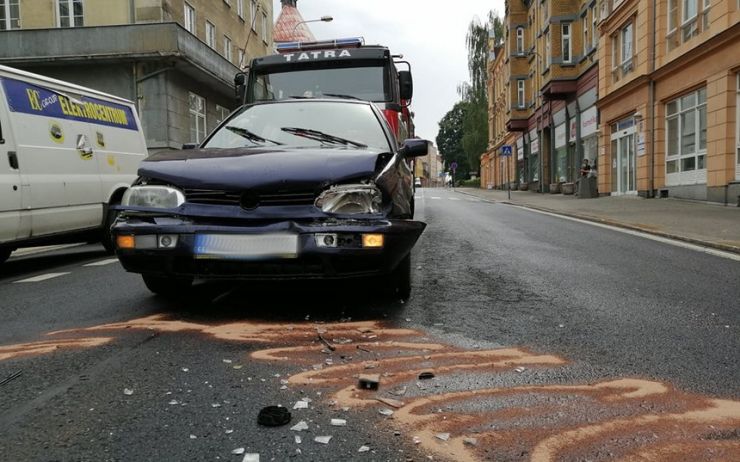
<point x="66" y="154"/>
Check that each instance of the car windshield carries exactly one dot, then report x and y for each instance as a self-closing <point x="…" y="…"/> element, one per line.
<point x="303" y="124"/>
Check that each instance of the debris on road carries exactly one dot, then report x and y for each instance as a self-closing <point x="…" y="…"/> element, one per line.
<point x="426" y="375"/>
<point x="326" y="342"/>
<point x="338" y="422"/>
<point x="386" y="412"/>
<point x="173" y="402"/>
<point x="215" y="405"/>
<point x="322" y="439"/>
<point x="364" y="449"/>
<point x="519" y="369"/>
<point x="417" y="440"/>
<point x="364" y="349"/>
<point x="442" y="436"/>
<point x="193" y="437"/>
<point x="297" y="439"/>
<point x="369" y="381"/>
<point x="470" y="441"/>
<point x="227" y="361"/>
<point x="273" y="416"/>
<point x="300" y="426"/>
<point x="370" y="364"/>
<point x="238" y="451"/>
<point x="251" y="458"/>
<point x="185" y="369"/>
<point x="391" y="402"/>
<point x="398" y="391"/>
<point x="229" y="431"/>
<point x="342" y="341"/>
<point x="128" y="391"/>
<point x="302" y="404"/>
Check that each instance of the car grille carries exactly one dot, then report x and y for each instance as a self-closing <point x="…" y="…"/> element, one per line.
<point x="218" y="197"/>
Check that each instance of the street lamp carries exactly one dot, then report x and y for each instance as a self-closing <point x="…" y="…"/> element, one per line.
<point x="321" y="19"/>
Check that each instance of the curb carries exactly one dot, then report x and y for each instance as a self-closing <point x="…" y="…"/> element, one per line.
<point x="617" y="224"/>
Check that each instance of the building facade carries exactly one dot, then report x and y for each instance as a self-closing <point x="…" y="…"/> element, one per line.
<point x="175" y="58"/>
<point x="670" y="87"/>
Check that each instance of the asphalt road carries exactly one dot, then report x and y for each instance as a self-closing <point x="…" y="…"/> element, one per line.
<point x="549" y="340"/>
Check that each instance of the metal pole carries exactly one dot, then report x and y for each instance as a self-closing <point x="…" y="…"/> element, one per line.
<point x="508" y="179"/>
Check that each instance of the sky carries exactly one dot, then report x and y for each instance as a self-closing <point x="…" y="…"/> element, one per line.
<point x="430" y="35"/>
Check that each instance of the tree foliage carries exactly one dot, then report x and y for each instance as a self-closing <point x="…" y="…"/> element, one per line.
<point x="450" y="138"/>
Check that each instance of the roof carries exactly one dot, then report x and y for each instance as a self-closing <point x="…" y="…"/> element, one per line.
<point x="290" y="26"/>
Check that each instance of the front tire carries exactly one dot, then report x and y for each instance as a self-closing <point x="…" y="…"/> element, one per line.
<point x="167" y="286"/>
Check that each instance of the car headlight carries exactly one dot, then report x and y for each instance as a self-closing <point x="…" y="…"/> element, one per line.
<point x="160" y="197"/>
<point x="350" y="199"/>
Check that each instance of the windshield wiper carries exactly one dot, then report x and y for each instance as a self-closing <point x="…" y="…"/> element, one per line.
<point x="338" y="95"/>
<point x="253" y="137"/>
<point x="321" y="136"/>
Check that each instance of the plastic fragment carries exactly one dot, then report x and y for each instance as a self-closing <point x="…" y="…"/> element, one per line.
<point x="417" y="440"/>
<point x="519" y="369"/>
<point x="338" y="422"/>
<point x="297" y="439"/>
<point x="322" y="439"/>
<point x="386" y="412"/>
<point x="193" y="437"/>
<point x="214" y="405"/>
<point x="251" y="458"/>
<point x="128" y="391"/>
<point x="364" y="449"/>
<point x="229" y="431"/>
<point x="227" y="361"/>
<point x="300" y="426"/>
<point x="470" y="441"/>
<point x="399" y="391"/>
<point x="173" y="402"/>
<point x="238" y="366"/>
<point x="391" y="402"/>
<point x="300" y="405"/>
<point x="185" y="369"/>
<point x="443" y="436"/>
<point x="238" y="451"/>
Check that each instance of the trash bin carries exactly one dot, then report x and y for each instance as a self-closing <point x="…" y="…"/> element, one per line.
<point x="587" y="188"/>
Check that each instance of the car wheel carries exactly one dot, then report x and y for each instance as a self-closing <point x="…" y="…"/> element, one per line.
<point x="400" y="279"/>
<point x="5" y="254"/>
<point x="106" y="237"/>
<point x="167" y="286"/>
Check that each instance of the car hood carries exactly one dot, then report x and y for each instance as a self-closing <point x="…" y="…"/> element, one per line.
<point x="262" y="169"/>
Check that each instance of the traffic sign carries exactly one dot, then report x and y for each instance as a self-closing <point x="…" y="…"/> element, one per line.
<point x="506" y="150"/>
<point x="453" y="166"/>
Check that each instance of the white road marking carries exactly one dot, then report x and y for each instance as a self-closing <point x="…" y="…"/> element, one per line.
<point x="42" y="277"/>
<point x="103" y="262"/>
<point x="664" y="240"/>
<point x="435" y="197"/>
<point x="48" y="248"/>
<point x="454" y="199"/>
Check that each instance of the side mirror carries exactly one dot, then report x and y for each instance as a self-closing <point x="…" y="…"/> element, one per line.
<point x="240" y="79"/>
<point x="189" y="146"/>
<point x="414" y="147"/>
<point x="240" y="87"/>
<point x="406" y="83"/>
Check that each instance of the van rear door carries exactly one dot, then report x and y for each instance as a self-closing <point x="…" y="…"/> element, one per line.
<point x="10" y="179"/>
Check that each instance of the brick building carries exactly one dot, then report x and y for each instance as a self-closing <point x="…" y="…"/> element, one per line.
<point x="175" y="58"/>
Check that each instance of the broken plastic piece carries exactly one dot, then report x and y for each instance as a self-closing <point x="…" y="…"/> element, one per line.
<point x="273" y="416"/>
<point x="443" y="436"/>
<point x="391" y="402"/>
<point x="338" y="422"/>
<point x="251" y="458"/>
<point x="369" y="381"/>
<point x="386" y="412"/>
<point x="426" y="375"/>
<point x="322" y="439"/>
<point x="297" y="439"/>
<point x="398" y="391"/>
<point x="128" y="391"/>
<point x="519" y="369"/>
<point x="364" y="449"/>
<point x="300" y="426"/>
<point x="238" y="451"/>
<point x="300" y="405"/>
<point x="470" y="441"/>
<point x="417" y="440"/>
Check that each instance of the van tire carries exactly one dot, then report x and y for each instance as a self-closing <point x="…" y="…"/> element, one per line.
<point x="170" y="287"/>
<point x="4" y="255"/>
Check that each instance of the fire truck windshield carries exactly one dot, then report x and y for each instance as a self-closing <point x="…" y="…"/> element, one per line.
<point x="365" y="83"/>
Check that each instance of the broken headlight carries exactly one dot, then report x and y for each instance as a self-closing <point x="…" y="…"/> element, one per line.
<point x="160" y="197"/>
<point x="350" y="199"/>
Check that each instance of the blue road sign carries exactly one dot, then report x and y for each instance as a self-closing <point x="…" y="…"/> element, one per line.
<point x="453" y="166"/>
<point x="506" y="150"/>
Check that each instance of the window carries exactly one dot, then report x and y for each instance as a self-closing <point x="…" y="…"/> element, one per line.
<point x="594" y="26"/>
<point x="265" y="29"/>
<point x="253" y="14"/>
<point x="221" y="114"/>
<point x="705" y="14"/>
<point x="689" y="10"/>
<point x="210" y="35"/>
<point x="548" y="52"/>
<point x="672" y="15"/>
<point x="70" y="13"/>
<point x="241" y="58"/>
<point x="10" y="15"/>
<point x="686" y="132"/>
<point x="693" y="16"/>
<point x="565" y="42"/>
<point x="584" y="26"/>
<point x="197" y="118"/>
<point x="240" y="8"/>
<point x="189" y="18"/>
<point x="520" y="40"/>
<point x="627" y="49"/>
<point x="227" y="48"/>
<point x="520" y="96"/>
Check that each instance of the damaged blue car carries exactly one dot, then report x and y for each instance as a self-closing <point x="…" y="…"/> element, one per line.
<point x="294" y="189"/>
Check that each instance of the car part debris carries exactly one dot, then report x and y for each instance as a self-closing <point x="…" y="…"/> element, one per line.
<point x="417" y="440"/>
<point x="442" y="436"/>
<point x="426" y="375"/>
<point x="302" y="404"/>
<point x="519" y="369"/>
<point x="326" y="342"/>
<point x="364" y="449"/>
<point x="300" y="426"/>
<point x="391" y="402"/>
<point x="251" y="458"/>
<point x="386" y="412"/>
<point x="297" y="439"/>
<point x="370" y="364"/>
<point x="363" y="349"/>
<point x="470" y="441"/>
<point x="193" y="437"/>
<point x="229" y="431"/>
<point x="342" y="341"/>
<point x="338" y="422"/>
<point x="128" y="391"/>
<point x="398" y="391"/>
<point x="369" y="381"/>
<point x="273" y="416"/>
<point x="238" y="451"/>
<point x="322" y="439"/>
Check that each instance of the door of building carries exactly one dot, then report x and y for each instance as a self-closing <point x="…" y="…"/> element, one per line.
<point x="624" y="161"/>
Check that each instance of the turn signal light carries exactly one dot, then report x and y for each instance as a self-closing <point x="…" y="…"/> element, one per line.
<point x="125" y="242"/>
<point x="372" y="241"/>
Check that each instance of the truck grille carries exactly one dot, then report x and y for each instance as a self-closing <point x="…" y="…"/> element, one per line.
<point x="255" y="199"/>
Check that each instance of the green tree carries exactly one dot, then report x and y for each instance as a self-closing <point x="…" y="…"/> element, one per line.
<point x="450" y="138"/>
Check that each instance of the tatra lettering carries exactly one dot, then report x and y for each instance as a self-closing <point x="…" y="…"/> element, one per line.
<point x="303" y="56"/>
<point x="345" y="54"/>
<point x="289" y="57"/>
<point x="316" y="54"/>
<point x="330" y="54"/>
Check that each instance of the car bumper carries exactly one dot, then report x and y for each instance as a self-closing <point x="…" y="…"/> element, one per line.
<point x="310" y="260"/>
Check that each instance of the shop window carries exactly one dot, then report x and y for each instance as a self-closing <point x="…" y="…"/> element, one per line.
<point x="10" y="15"/>
<point x="197" y="117"/>
<point x="686" y="132"/>
<point x="189" y="18"/>
<point x="70" y="13"/>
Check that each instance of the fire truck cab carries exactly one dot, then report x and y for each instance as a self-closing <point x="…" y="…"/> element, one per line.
<point x="343" y="68"/>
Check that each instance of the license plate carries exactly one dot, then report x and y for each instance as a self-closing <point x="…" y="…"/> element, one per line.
<point x="246" y="247"/>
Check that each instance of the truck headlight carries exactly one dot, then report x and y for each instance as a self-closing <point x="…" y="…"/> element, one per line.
<point x="160" y="197"/>
<point x="350" y="199"/>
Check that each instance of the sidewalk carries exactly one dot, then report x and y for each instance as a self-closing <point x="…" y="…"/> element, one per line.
<point x="700" y="223"/>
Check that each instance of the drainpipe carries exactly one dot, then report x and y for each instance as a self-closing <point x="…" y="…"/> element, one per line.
<point x="651" y="99"/>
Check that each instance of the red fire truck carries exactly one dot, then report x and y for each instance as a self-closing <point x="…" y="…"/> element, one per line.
<point x="345" y="68"/>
